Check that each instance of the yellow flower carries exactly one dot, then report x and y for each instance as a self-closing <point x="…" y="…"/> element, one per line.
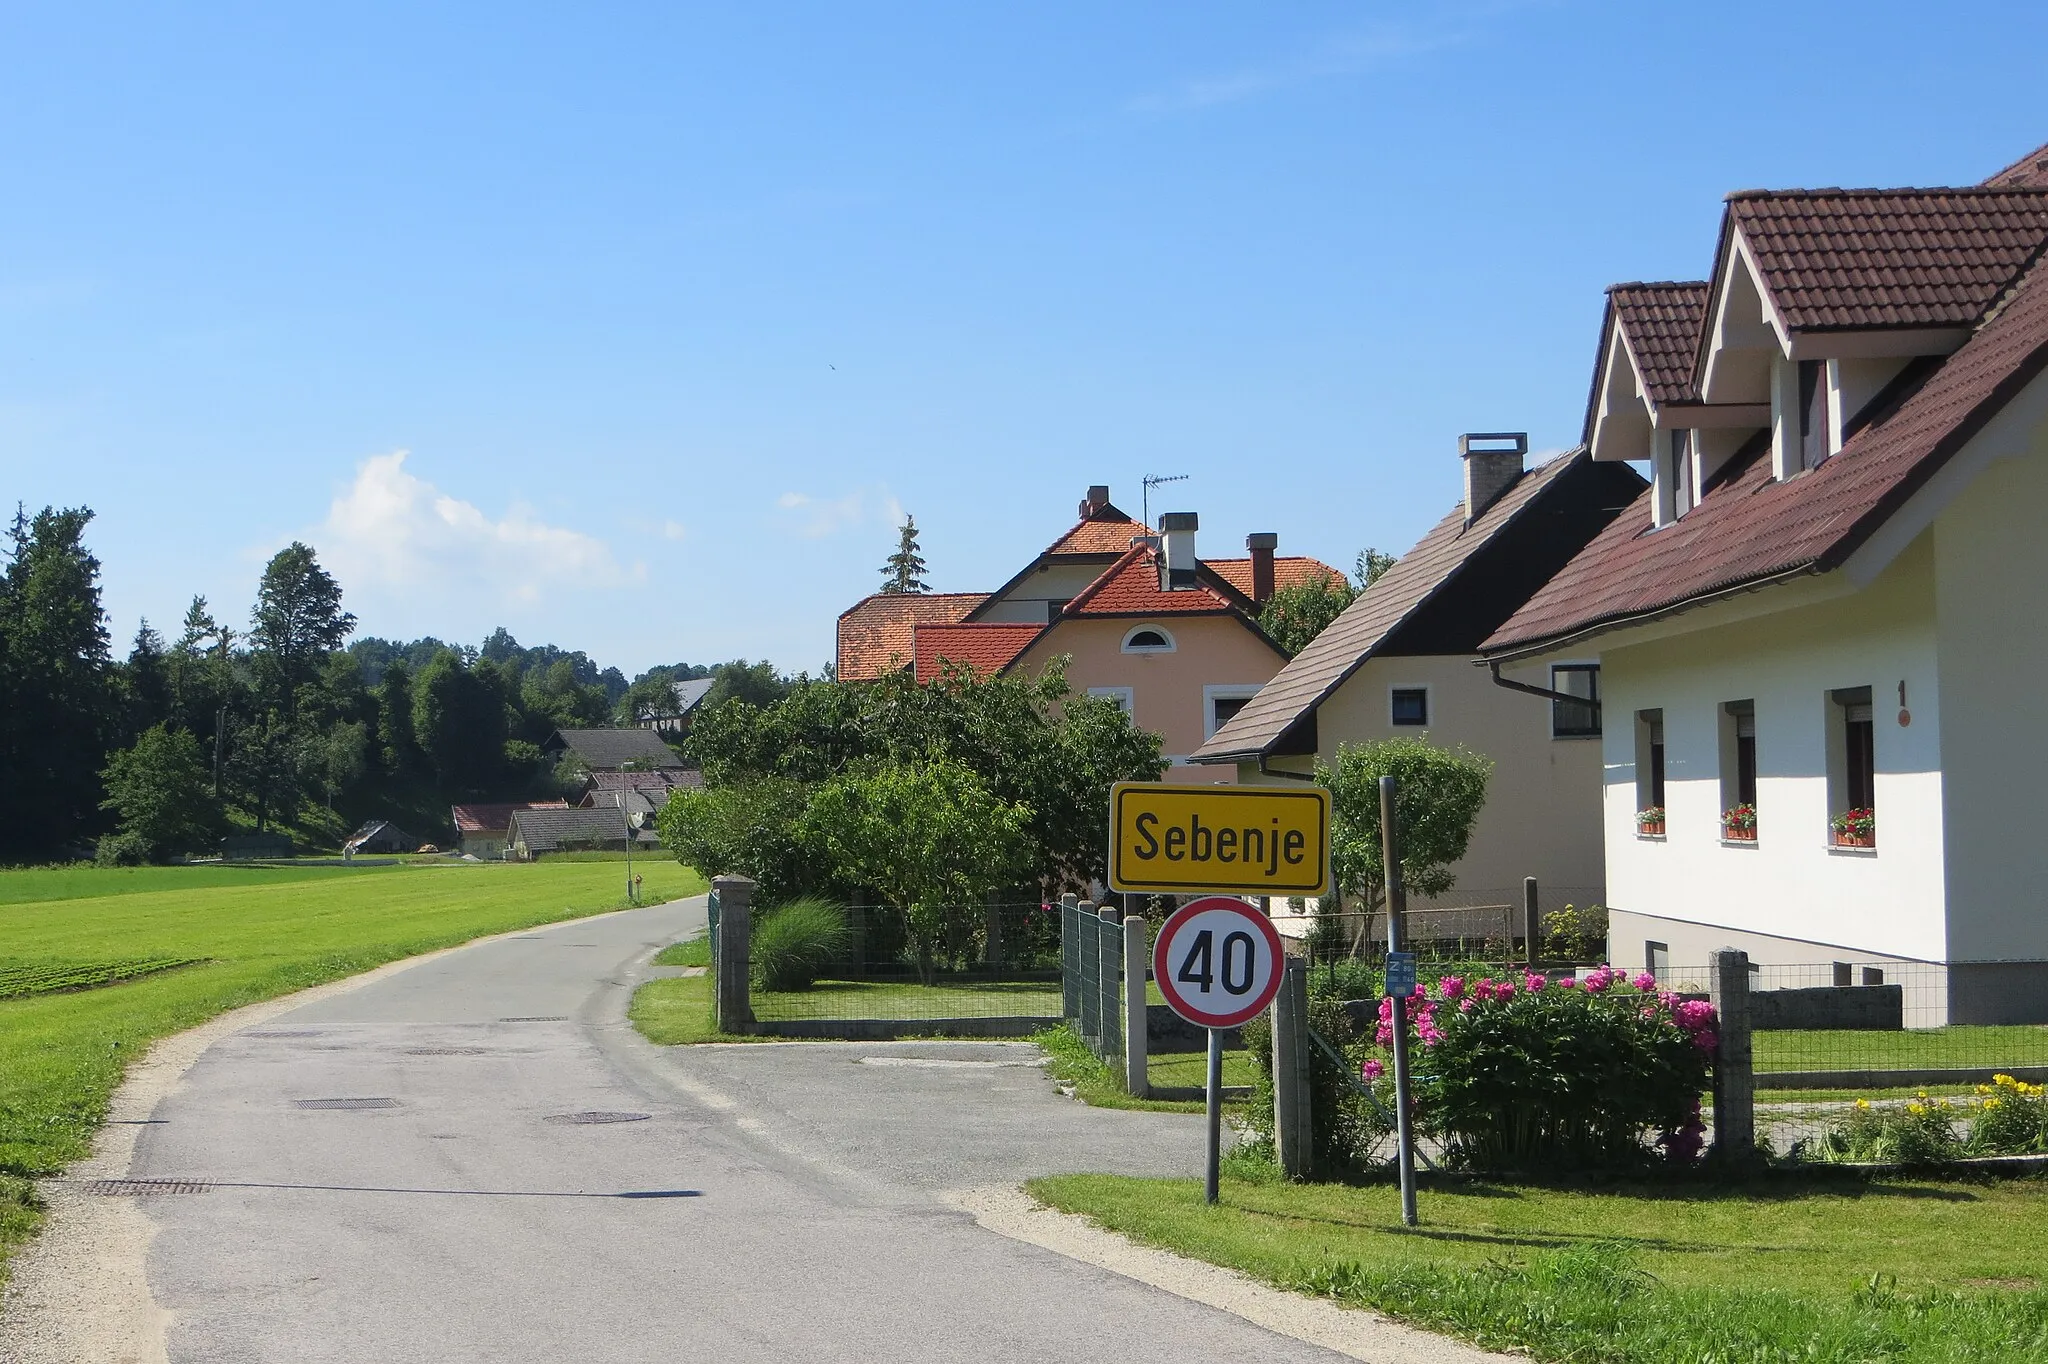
<point x="2003" y="1080"/>
<point x="1990" y="1104"/>
<point x="1863" y="1103"/>
<point x="1984" y="1089"/>
<point x="1916" y="1109"/>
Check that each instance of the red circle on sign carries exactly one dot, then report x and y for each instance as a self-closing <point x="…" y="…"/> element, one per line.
<point x="1181" y="960"/>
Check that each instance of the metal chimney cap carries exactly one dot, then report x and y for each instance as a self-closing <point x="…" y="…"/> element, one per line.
<point x="1498" y="443"/>
<point x="1262" y="539"/>
<point x="1173" y="521"/>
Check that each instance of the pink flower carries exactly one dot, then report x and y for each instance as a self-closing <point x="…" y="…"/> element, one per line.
<point x="1384" y="1035"/>
<point x="1667" y="999"/>
<point x="1706" y="1039"/>
<point x="1372" y="1070"/>
<point x="1386" y="1008"/>
<point x="1536" y="981"/>
<point x="1453" y="987"/>
<point x="1644" y="982"/>
<point x="1599" y="979"/>
<point x="1504" y="990"/>
<point x="1694" y="1015"/>
<point x="1464" y="1006"/>
<point x="1568" y="983"/>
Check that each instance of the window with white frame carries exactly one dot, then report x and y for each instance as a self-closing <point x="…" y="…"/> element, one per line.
<point x="1148" y="639"/>
<point x="1408" y="706"/>
<point x="1650" y="762"/>
<point x="1221" y="701"/>
<point x="1738" y="771"/>
<point x="1124" y="697"/>
<point x="1852" y="768"/>
<point x="1575" y="713"/>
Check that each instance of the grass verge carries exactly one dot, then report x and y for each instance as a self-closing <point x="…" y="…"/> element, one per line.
<point x="1823" y="1270"/>
<point x="1070" y="1062"/>
<point x="262" y="932"/>
<point x="910" y="1001"/>
<point x="689" y="952"/>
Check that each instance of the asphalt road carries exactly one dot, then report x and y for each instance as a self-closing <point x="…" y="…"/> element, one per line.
<point x="776" y="1202"/>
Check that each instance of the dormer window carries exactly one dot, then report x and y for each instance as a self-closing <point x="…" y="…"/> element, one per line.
<point x="1814" y="445"/>
<point x="1672" y="473"/>
<point x="1148" y="639"/>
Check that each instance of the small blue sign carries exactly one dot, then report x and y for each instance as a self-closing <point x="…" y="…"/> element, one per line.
<point x="1400" y="975"/>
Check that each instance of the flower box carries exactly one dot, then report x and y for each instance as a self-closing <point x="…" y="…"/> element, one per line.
<point x="1855" y="828"/>
<point x="1739" y="824"/>
<point x="1650" y="822"/>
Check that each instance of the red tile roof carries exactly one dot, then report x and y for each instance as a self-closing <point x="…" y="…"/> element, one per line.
<point x="1755" y="528"/>
<point x="1130" y="587"/>
<point x="875" y="632"/>
<point x="1289" y="571"/>
<point x="494" y="819"/>
<point x="1661" y="322"/>
<point x="985" y="648"/>
<point x="2029" y="172"/>
<point x="1834" y="259"/>
<point x="1107" y="532"/>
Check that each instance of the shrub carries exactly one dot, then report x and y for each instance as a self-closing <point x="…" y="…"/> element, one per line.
<point x="750" y="827"/>
<point x="1347" y="1126"/>
<point x="1921" y="1133"/>
<point x="124" y="849"/>
<point x="1529" y="1074"/>
<point x="795" y="942"/>
<point x="2012" y="1119"/>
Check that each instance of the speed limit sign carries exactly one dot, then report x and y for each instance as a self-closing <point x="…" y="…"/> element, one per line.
<point x="1217" y="961"/>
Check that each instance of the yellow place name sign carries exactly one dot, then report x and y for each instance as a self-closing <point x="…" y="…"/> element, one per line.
<point x="1255" y="840"/>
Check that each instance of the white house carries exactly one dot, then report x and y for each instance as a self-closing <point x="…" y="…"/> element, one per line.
<point x="1399" y="661"/>
<point x="1830" y="598"/>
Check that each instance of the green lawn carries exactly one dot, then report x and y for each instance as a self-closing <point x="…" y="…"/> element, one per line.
<point x="260" y="932"/>
<point x="1830" y="1270"/>
<point x="1912" y="1049"/>
<point x="909" y="1000"/>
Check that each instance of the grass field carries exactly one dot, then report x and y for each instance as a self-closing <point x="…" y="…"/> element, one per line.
<point x="1827" y="1270"/>
<point x="1912" y="1049"/>
<point x="259" y="932"/>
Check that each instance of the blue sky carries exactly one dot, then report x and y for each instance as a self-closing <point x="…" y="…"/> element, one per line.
<point x="633" y="328"/>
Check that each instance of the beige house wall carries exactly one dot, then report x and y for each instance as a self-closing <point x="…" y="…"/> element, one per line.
<point x="1166" y="688"/>
<point x="1543" y="804"/>
<point x="1029" y="602"/>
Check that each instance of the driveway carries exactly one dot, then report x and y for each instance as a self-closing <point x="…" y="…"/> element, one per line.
<point x="476" y="1159"/>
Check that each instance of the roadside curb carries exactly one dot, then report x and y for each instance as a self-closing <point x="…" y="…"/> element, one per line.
<point x="1351" y="1332"/>
<point x="80" y="1291"/>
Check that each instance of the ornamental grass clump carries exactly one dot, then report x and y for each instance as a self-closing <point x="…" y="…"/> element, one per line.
<point x="1524" y="1073"/>
<point x="794" y="943"/>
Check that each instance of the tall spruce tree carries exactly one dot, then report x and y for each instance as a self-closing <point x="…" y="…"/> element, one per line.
<point x="903" y="572"/>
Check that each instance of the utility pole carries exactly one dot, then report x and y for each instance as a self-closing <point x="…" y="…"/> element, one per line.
<point x="620" y="797"/>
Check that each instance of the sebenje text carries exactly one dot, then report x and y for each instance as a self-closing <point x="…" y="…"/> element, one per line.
<point x="1199" y="843"/>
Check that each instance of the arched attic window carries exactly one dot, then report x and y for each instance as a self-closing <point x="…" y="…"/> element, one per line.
<point x="1148" y="639"/>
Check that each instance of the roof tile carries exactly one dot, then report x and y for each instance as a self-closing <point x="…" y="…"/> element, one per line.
<point x="1754" y="527"/>
<point x="985" y="647"/>
<point x="1290" y="571"/>
<point x="1662" y="324"/>
<point x="1130" y="587"/>
<point x="875" y="633"/>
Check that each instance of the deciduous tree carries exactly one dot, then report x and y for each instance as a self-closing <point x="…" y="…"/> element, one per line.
<point x="161" y="789"/>
<point x="1438" y="797"/>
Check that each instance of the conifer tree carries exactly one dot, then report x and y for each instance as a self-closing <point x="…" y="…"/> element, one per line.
<point x="903" y="572"/>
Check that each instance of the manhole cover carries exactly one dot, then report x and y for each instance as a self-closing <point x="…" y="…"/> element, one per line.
<point x="538" y="1018"/>
<point x="135" y="1188"/>
<point x="446" y="1051"/>
<point x="280" y="1034"/>
<point x="349" y="1104"/>
<point x="591" y="1119"/>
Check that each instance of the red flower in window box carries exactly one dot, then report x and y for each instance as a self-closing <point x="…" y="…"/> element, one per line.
<point x="1738" y="825"/>
<point x="1855" y="828"/>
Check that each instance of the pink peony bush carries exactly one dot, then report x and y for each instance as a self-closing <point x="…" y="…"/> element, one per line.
<point x="1523" y="1073"/>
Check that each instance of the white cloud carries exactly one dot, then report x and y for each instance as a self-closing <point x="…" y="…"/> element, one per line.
<point x="391" y="531"/>
<point x="814" y="518"/>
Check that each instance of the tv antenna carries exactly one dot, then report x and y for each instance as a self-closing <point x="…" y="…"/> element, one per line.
<point x="1152" y="481"/>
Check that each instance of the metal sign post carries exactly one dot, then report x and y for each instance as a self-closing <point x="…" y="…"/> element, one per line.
<point x="1218" y="963"/>
<point x="1397" y="936"/>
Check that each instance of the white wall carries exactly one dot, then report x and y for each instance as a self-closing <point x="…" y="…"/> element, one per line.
<point x="1027" y="601"/>
<point x="1991" y="567"/>
<point x="1790" y="884"/>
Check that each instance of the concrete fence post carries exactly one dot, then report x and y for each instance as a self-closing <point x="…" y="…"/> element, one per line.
<point x="1532" y="920"/>
<point x="735" y="1011"/>
<point x="1070" y="959"/>
<point x="1137" y="1055"/>
<point x="1087" y="966"/>
<point x="1734" y="1070"/>
<point x="1109" y="980"/>
<point x="1293" y="1141"/>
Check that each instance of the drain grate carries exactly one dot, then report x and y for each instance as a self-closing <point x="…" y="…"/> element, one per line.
<point x="138" y="1188"/>
<point x="538" y="1018"/>
<point x="280" y="1034"/>
<point x="346" y="1104"/>
<point x="447" y="1051"/>
<point x="591" y="1119"/>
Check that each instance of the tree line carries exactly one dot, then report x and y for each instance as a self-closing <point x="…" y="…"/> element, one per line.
<point x="278" y="723"/>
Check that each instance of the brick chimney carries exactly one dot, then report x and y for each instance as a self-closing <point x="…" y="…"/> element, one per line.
<point x="1493" y="461"/>
<point x="1095" y="501"/>
<point x="1177" y="562"/>
<point x="1262" y="544"/>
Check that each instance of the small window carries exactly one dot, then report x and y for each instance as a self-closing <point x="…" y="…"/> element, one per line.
<point x="1409" y="706"/>
<point x="1148" y="639"/>
<point x="1125" y="699"/>
<point x="1579" y="716"/>
<point x="1852" y="769"/>
<point x="1220" y="702"/>
<point x="1657" y="959"/>
<point x="1738" y="771"/>
<point x="1813" y="413"/>
<point x="1650" y="762"/>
